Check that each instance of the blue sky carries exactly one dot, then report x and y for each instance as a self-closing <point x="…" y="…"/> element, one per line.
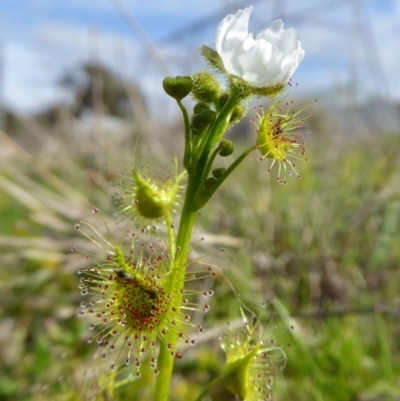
<point x="345" y="41"/>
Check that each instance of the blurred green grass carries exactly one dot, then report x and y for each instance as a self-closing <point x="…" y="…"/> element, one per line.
<point x="325" y="247"/>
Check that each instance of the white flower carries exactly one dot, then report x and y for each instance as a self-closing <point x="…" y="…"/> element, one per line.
<point x="264" y="59"/>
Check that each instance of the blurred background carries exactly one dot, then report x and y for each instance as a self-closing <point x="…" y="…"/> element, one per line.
<point x="81" y="81"/>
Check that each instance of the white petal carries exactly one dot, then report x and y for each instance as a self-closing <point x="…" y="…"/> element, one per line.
<point x="269" y="58"/>
<point x="230" y="34"/>
<point x="272" y="32"/>
<point x="233" y="27"/>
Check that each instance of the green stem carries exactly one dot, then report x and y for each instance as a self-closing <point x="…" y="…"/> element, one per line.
<point x="209" y="386"/>
<point x="196" y="172"/>
<point x="208" y="168"/>
<point x="204" y="195"/>
<point x="217" y="131"/>
<point x="188" y="217"/>
<point x="165" y="366"/>
<point x="236" y="163"/>
<point x="111" y="384"/>
<point x="188" y="143"/>
<point x="170" y="233"/>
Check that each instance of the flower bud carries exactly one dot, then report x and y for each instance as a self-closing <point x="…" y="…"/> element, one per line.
<point x="226" y="148"/>
<point x="218" y="172"/>
<point x="178" y="87"/>
<point x="199" y="107"/>
<point x="223" y="98"/>
<point x="205" y="87"/>
<point x="238" y="112"/>
<point x="210" y="182"/>
<point x="200" y="121"/>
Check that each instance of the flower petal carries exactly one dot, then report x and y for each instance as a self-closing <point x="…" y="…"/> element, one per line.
<point x="263" y="60"/>
<point x="231" y="32"/>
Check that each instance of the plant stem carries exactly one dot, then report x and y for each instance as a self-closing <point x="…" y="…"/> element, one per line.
<point x="208" y="168"/>
<point x="208" y="387"/>
<point x="198" y="169"/>
<point x="217" y="131"/>
<point x="188" y="217"/>
<point x="170" y="233"/>
<point x="188" y="143"/>
<point x="203" y="197"/>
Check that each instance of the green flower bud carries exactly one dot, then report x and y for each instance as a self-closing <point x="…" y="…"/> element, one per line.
<point x="237" y="114"/>
<point x="208" y="115"/>
<point x="210" y="182"/>
<point x="223" y="98"/>
<point x="198" y="125"/>
<point x="205" y="87"/>
<point x="218" y="172"/>
<point x="178" y="87"/>
<point x="199" y="107"/>
<point x="226" y="148"/>
<point x="202" y="120"/>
